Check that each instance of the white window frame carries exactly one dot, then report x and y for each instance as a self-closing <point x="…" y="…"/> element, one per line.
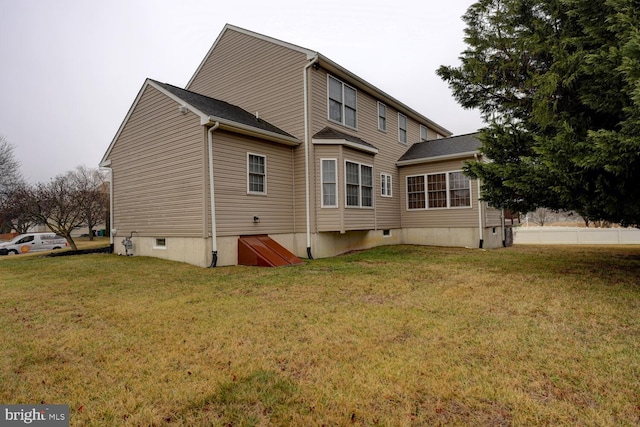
<point x="360" y="186"/>
<point x="386" y="185"/>
<point x="405" y="129"/>
<point x="335" y="184"/>
<point x="407" y="192"/>
<point x="382" y="118"/>
<point x="157" y="243"/>
<point x="448" y="190"/>
<point x="424" y="133"/>
<point x="249" y="173"/>
<point x="343" y="106"/>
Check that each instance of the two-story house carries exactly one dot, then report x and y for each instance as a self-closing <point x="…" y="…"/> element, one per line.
<point x="272" y="139"/>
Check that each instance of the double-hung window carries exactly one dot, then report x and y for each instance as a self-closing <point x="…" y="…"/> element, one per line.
<point x="402" y="128"/>
<point x="385" y="185"/>
<point x="256" y="174"/>
<point x="382" y="117"/>
<point x="359" y="185"/>
<point x="342" y="102"/>
<point x="329" y="178"/>
<point x="438" y="190"/>
<point x="423" y="133"/>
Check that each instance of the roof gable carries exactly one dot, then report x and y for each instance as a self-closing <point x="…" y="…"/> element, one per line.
<point x="228" y="27"/>
<point x="332" y="136"/>
<point x="210" y="110"/>
<point x="454" y="147"/>
<point x="333" y="68"/>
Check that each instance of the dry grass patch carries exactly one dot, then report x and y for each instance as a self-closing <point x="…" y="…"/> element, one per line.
<point x="397" y="335"/>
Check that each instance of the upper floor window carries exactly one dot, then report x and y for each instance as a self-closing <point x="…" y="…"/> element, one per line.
<point x="342" y="102"/>
<point x="423" y="133"/>
<point x="402" y="128"/>
<point x="329" y="183"/>
<point x="256" y="174"/>
<point x="438" y="190"/>
<point x="359" y="185"/>
<point x="382" y="116"/>
<point x="385" y="185"/>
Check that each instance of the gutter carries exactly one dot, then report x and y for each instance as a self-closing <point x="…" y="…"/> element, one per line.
<point x="214" y="239"/>
<point x="306" y="152"/>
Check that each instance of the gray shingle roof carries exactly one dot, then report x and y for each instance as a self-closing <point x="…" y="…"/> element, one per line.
<point x="443" y="147"/>
<point x="331" y="133"/>
<point x="221" y="109"/>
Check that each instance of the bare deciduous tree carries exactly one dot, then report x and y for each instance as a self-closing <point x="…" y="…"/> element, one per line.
<point x="10" y="180"/>
<point x="60" y="205"/>
<point x="15" y="212"/>
<point x="542" y="216"/>
<point x="91" y="184"/>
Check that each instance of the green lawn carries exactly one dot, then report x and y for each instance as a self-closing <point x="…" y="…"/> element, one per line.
<point x="397" y="335"/>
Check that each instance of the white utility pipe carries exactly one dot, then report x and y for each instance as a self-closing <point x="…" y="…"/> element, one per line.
<point x="306" y="153"/>
<point x="214" y="242"/>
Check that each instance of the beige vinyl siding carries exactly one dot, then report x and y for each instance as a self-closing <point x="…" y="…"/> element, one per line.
<point x="159" y="171"/>
<point x="357" y="218"/>
<point x="235" y="208"/>
<point x="329" y="219"/>
<point x="437" y="218"/>
<point x="387" y="210"/>
<point x="493" y="217"/>
<point x="265" y="78"/>
<point x="258" y="76"/>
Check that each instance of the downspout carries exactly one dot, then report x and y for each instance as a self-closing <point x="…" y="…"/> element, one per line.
<point x="107" y="165"/>
<point x="479" y="210"/>
<point x="214" y="240"/>
<point x="111" y="233"/>
<point x="306" y="153"/>
<point x="504" y="235"/>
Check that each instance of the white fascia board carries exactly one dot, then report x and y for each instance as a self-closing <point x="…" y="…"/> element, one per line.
<point x="310" y="54"/>
<point x="124" y="122"/>
<point x="382" y="96"/>
<point x="436" y="158"/>
<point x="346" y="143"/>
<point x="251" y="131"/>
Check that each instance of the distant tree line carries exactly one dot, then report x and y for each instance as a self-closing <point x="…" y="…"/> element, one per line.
<point x="77" y="198"/>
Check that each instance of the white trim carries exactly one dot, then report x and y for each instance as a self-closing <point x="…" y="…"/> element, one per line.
<point x="385" y="117"/>
<point x="406" y="128"/>
<point x="331" y="66"/>
<point x="343" y="104"/>
<point x="389" y="186"/>
<point x="335" y="161"/>
<point x="426" y="133"/>
<point x="436" y="158"/>
<point x="373" y="186"/>
<point x="310" y="54"/>
<point x="426" y="192"/>
<point x="157" y="246"/>
<point x="257" y="193"/>
<point x="346" y="143"/>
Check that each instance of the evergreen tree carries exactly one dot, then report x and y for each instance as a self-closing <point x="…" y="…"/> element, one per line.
<point x="558" y="85"/>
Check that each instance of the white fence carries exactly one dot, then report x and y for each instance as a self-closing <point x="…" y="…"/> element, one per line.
<point x="575" y="236"/>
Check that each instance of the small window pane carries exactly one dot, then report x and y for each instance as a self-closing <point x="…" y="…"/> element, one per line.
<point x="382" y="116"/>
<point x="415" y="192"/>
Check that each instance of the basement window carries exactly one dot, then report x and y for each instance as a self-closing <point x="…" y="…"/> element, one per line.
<point x="160" y="243"/>
<point x="386" y="233"/>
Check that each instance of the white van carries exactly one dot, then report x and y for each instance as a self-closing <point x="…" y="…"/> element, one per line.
<point x="32" y="242"/>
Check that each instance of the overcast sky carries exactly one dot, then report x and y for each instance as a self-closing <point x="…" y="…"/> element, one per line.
<point x="70" y="69"/>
